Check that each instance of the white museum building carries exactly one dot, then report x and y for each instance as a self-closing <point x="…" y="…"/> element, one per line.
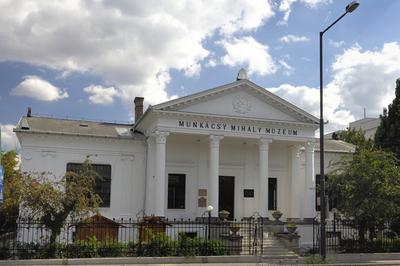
<point x="237" y="147"/>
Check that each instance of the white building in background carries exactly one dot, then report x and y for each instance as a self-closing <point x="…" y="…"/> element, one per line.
<point x="236" y="147"/>
<point x="368" y="125"/>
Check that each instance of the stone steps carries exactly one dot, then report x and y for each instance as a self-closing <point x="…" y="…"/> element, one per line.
<point x="275" y="252"/>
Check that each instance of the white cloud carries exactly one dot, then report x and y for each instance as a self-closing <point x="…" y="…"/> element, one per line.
<point x="288" y="69"/>
<point x="285" y="6"/>
<point x="293" y="38"/>
<point x="100" y="94"/>
<point x="9" y="140"/>
<point x="39" y="89"/>
<point x="211" y="63"/>
<point x="336" y="44"/>
<point x="132" y="44"/>
<point x="307" y="98"/>
<point x="247" y="51"/>
<point x="193" y="70"/>
<point x="367" y="78"/>
<point x="360" y="79"/>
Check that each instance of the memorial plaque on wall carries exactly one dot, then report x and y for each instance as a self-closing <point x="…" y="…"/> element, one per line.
<point x="202" y="202"/>
<point x="202" y="192"/>
<point x="248" y="193"/>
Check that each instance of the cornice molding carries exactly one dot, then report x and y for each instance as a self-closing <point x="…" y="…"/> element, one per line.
<point x="247" y="120"/>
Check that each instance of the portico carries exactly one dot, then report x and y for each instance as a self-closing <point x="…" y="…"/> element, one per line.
<point x="236" y="141"/>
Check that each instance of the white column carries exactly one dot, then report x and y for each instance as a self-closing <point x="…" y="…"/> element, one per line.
<point x="309" y="203"/>
<point x="263" y="178"/>
<point x="296" y="186"/>
<point x="149" y="206"/>
<point x="213" y="181"/>
<point x="161" y="139"/>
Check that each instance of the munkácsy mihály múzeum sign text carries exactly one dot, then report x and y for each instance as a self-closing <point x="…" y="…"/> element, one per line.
<point x="239" y="128"/>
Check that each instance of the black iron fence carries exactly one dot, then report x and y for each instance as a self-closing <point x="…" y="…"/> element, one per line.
<point x="102" y="237"/>
<point x="346" y="236"/>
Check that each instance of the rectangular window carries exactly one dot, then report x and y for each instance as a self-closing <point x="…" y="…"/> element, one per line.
<point x="248" y="193"/>
<point x="332" y="201"/>
<point x="272" y="193"/>
<point x="176" y="191"/>
<point x="102" y="182"/>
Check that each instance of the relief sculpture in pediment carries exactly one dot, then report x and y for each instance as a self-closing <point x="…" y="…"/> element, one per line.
<point x="241" y="104"/>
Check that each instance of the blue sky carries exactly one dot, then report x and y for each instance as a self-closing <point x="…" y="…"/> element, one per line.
<point x="89" y="59"/>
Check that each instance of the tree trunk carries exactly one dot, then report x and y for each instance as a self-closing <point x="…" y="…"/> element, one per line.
<point x="361" y="235"/>
<point x="52" y="245"/>
<point x="372" y="233"/>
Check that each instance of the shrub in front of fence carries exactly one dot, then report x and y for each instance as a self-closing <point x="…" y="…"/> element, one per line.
<point x="158" y="245"/>
<point x="370" y="246"/>
<point x="92" y="248"/>
<point x="161" y="245"/>
<point x="346" y="236"/>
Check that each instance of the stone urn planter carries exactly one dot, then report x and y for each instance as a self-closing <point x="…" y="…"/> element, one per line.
<point x="223" y="215"/>
<point x="234" y="228"/>
<point x="277" y="215"/>
<point x="291" y="228"/>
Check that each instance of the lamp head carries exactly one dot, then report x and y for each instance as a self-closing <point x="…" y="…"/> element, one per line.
<point x="352" y="6"/>
<point x="210" y="208"/>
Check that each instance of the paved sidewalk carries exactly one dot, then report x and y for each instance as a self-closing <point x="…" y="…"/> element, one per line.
<point x="337" y="259"/>
<point x="397" y="262"/>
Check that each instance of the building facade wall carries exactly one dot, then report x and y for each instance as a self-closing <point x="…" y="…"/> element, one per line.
<point x="51" y="153"/>
<point x="187" y="154"/>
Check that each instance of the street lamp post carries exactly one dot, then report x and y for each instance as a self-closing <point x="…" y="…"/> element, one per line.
<point x="349" y="8"/>
<point x="209" y="210"/>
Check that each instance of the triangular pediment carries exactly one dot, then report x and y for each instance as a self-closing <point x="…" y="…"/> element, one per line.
<point x="242" y="99"/>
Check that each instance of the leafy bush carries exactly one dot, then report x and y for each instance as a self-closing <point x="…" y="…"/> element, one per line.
<point x="4" y="253"/>
<point x="213" y="248"/>
<point x="29" y="250"/>
<point x="112" y="249"/>
<point x="315" y="260"/>
<point x="188" y="246"/>
<point x="159" y="245"/>
<point x="371" y="246"/>
<point x="83" y="248"/>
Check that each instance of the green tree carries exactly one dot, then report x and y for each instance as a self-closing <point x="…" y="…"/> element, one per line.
<point x="368" y="188"/>
<point x="11" y="193"/>
<point x="387" y="135"/>
<point x="52" y="200"/>
<point x="356" y="137"/>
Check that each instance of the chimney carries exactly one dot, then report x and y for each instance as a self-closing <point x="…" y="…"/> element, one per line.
<point x="138" y="107"/>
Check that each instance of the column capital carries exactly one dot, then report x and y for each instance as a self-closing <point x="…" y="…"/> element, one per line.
<point x="296" y="149"/>
<point x="215" y="139"/>
<point x="310" y="146"/>
<point x="161" y="136"/>
<point x="265" y="141"/>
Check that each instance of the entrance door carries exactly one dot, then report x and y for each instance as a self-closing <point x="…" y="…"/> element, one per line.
<point x="226" y="197"/>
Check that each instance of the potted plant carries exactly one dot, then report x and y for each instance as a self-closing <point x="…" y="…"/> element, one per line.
<point x="277" y="215"/>
<point x="291" y="228"/>
<point x="224" y="214"/>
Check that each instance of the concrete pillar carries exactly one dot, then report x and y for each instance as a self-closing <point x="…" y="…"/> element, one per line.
<point x="296" y="185"/>
<point x="213" y="181"/>
<point x="309" y="202"/>
<point x="263" y="176"/>
<point x="161" y="140"/>
<point x="150" y="186"/>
